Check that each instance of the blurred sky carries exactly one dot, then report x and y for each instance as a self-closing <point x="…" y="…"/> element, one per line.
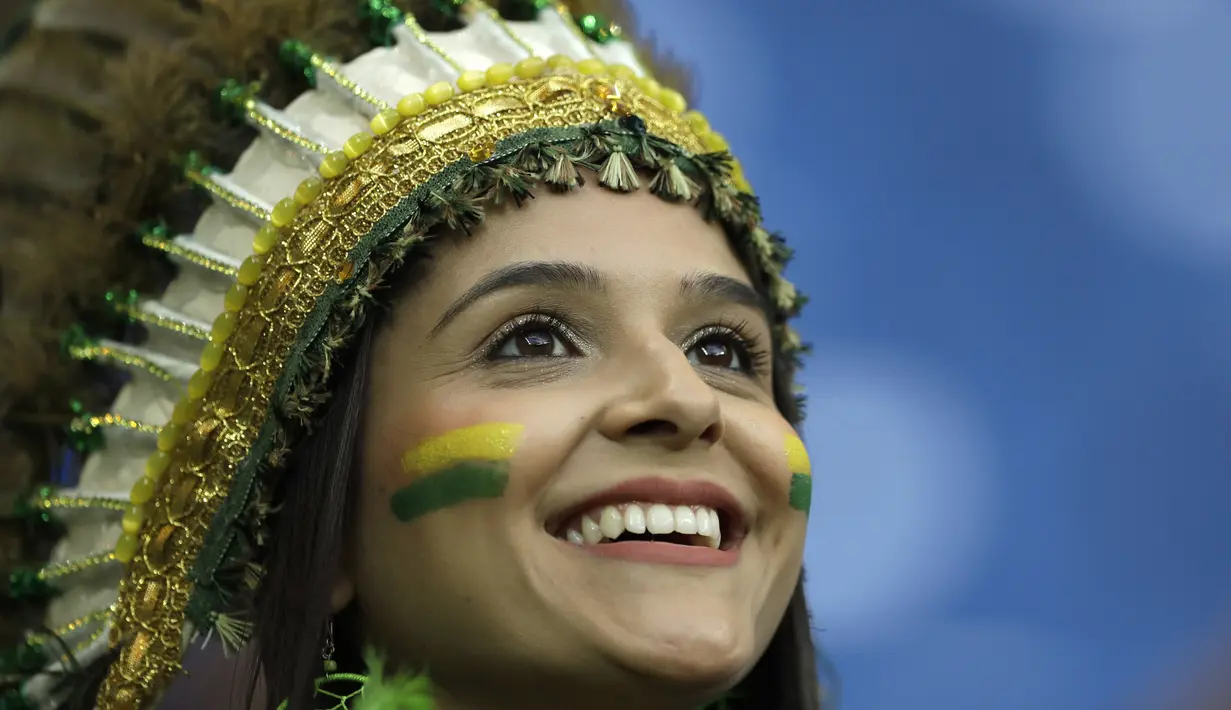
<point x="1014" y="220"/>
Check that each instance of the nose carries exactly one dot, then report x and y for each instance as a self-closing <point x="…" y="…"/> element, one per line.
<point x="661" y="399"/>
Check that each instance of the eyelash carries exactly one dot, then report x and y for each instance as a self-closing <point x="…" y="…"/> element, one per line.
<point x="556" y="325"/>
<point x="747" y="345"/>
<point x="752" y="353"/>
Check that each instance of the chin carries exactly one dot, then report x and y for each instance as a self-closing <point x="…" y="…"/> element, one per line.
<point x="689" y="650"/>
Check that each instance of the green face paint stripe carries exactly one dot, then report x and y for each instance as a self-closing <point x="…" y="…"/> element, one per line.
<point x="474" y="480"/>
<point x="801" y="492"/>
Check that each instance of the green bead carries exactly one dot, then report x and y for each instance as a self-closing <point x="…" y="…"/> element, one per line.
<point x="382" y="16"/>
<point x="86" y="439"/>
<point x="297" y="56"/>
<point x="598" y="28"/>
<point x="331" y="666"/>
<point x="26" y="585"/>
<point x="74" y="338"/>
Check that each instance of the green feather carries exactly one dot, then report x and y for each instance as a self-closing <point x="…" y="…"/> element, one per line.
<point x="399" y="692"/>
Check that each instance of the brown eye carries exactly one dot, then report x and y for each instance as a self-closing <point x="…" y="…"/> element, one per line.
<point x="717" y="352"/>
<point x="531" y="341"/>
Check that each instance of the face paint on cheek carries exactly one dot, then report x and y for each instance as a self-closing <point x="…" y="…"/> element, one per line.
<point x="461" y="465"/>
<point x="801" y="473"/>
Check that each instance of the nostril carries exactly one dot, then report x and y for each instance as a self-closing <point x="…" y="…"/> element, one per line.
<point x="654" y="427"/>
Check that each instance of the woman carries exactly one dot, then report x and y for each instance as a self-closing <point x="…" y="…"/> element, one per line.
<point x="472" y="389"/>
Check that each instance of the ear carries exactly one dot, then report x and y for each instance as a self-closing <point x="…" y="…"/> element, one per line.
<point x="342" y="594"/>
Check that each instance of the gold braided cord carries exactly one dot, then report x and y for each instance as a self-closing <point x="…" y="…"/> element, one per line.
<point x="190" y="255"/>
<point x="64" y="569"/>
<point x="258" y="115"/>
<point x="69" y="502"/>
<point x="106" y="353"/>
<point x="329" y="69"/>
<point x="567" y="16"/>
<point x="496" y="17"/>
<point x="206" y="179"/>
<point x="421" y="36"/>
<point x="311" y="258"/>
<point x="115" y="421"/>
<point x="163" y="321"/>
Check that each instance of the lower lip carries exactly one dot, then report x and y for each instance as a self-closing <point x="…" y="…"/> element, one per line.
<point x="662" y="553"/>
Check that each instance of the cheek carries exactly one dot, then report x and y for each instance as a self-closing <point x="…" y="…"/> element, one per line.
<point x="432" y="456"/>
<point x="770" y="448"/>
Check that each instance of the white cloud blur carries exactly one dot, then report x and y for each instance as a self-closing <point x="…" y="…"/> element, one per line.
<point x="903" y="495"/>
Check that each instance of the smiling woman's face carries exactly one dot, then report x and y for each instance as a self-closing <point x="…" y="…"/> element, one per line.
<point x="588" y="367"/>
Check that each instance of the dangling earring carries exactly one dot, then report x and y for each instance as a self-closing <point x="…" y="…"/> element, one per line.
<point x="327" y="652"/>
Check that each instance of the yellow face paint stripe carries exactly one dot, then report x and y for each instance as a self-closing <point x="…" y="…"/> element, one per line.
<point x="800" y="466"/>
<point x="494" y="441"/>
<point x="797" y="456"/>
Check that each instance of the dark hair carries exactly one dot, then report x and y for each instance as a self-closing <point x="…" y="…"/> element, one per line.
<point x="309" y="534"/>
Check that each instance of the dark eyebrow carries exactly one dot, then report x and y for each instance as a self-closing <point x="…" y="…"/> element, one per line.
<point x="560" y="274"/>
<point x="706" y="286"/>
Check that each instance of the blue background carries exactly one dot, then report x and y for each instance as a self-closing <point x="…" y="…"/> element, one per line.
<point x="1014" y="220"/>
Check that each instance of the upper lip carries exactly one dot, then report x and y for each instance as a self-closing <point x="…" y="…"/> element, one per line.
<point x="660" y="490"/>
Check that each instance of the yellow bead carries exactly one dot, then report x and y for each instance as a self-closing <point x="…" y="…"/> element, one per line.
<point x="142" y="491"/>
<point x="530" y="67"/>
<point x="385" y="121"/>
<point x="133" y="518"/>
<point x="182" y="414"/>
<point x="649" y="86"/>
<point x="223" y="326"/>
<point x="673" y="100"/>
<point x="412" y="105"/>
<point x="157" y="464"/>
<point x="198" y="384"/>
<point x="236" y="295"/>
<point x="592" y="67"/>
<point x="284" y="212"/>
<point x="334" y="164"/>
<point x="250" y="270"/>
<point x="498" y="74"/>
<point x="622" y="71"/>
<point x="438" y="93"/>
<point x="126" y="547"/>
<point x="357" y="145"/>
<point x="265" y="239"/>
<point x="713" y="142"/>
<point x="167" y="439"/>
<point x="560" y="61"/>
<point x="309" y="190"/>
<point x="470" y="80"/>
<point x="697" y="122"/>
<point x="211" y="356"/>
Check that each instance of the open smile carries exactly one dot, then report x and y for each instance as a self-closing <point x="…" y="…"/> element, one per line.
<point x="659" y="521"/>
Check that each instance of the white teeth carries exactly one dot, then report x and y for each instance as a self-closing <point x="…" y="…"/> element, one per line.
<point x="660" y="520"/>
<point x="703" y="523"/>
<point x="590" y="531"/>
<point x="634" y="519"/>
<point x="611" y="522"/>
<point x="685" y="520"/>
<point x="640" y="518"/>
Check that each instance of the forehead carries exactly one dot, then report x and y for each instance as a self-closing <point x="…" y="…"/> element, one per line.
<point x="630" y="237"/>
